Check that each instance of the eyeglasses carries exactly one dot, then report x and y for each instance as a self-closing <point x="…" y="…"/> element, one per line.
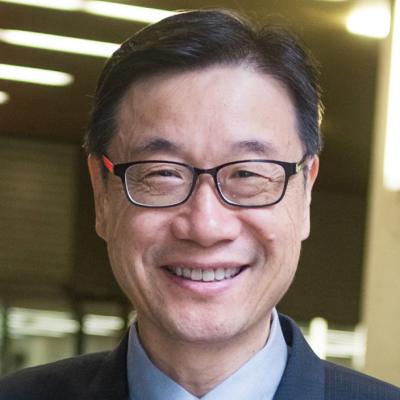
<point x="245" y="183"/>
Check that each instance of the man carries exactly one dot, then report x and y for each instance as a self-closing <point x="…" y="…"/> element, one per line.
<point x="203" y="150"/>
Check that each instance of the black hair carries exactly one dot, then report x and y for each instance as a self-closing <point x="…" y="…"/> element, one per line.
<point x="198" y="39"/>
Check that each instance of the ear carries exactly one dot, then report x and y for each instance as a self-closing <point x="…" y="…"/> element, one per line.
<point x="100" y="194"/>
<point x="312" y="173"/>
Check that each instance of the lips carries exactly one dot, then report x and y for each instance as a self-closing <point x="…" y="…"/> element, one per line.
<point x="206" y="274"/>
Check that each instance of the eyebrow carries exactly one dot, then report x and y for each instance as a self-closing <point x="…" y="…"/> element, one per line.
<point x="156" y="145"/>
<point x="160" y="145"/>
<point x="262" y="148"/>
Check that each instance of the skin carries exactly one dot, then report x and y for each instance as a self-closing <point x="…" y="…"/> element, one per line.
<point x="199" y="333"/>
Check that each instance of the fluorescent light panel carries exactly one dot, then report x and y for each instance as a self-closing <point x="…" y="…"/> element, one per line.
<point x="57" y="43"/>
<point x="23" y="321"/>
<point x="65" y="5"/>
<point x="392" y="145"/>
<point x="371" y="20"/>
<point x="103" y="8"/>
<point x="35" y="75"/>
<point x="124" y="11"/>
<point x="4" y="97"/>
<point x="318" y="336"/>
<point x="102" y="325"/>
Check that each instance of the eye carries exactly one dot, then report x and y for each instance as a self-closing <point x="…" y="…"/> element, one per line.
<point x="255" y="173"/>
<point x="245" y="174"/>
<point x="163" y="176"/>
<point x="156" y="174"/>
<point x="163" y="173"/>
<point x="250" y="173"/>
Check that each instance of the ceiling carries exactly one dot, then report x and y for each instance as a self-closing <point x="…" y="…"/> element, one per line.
<point x="348" y="65"/>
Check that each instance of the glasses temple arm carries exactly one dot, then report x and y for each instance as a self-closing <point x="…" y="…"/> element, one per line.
<point x="108" y="164"/>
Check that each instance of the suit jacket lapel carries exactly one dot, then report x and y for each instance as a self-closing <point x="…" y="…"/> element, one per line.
<point x="111" y="383"/>
<point x="304" y="377"/>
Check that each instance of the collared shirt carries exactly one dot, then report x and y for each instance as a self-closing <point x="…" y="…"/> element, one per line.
<point x="257" y="379"/>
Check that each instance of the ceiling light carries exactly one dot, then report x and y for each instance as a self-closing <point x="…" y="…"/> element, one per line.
<point x="24" y="321"/>
<point x="124" y="11"/>
<point x="66" y="5"/>
<point x="35" y="75"/>
<point x="370" y="19"/>
<point x="4" y="97"/>
<point x="318" y="336"/>
<point x="103" y="8"/>
<point x="102" y="325"/>
<point x="57" y="43"/>
<point x="392" y="145"/>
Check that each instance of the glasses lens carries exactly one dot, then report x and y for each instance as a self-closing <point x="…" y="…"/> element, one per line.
<point x="254" y="183"/>
<point x="158" y="184"/>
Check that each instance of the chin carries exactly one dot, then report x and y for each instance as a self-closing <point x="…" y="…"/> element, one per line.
<point x="205" y="330"/>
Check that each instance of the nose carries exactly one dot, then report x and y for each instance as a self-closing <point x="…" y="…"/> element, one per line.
<point x="205" y="218"/>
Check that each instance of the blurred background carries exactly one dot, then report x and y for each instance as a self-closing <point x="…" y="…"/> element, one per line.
<point x="57" y="295"/>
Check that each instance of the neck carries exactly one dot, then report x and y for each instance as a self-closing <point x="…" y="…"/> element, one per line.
<point x="201" y="366"/>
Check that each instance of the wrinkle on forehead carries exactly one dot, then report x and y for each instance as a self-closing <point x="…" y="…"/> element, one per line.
<point x="150" y="147"/>
<point x="164" y="113"/>
<point x="135" y="112"/>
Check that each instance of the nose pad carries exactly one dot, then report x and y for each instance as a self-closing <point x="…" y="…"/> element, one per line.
<point x="205" y="217"/>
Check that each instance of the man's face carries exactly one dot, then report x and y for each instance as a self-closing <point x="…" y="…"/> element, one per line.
<point x="205" y="118"/>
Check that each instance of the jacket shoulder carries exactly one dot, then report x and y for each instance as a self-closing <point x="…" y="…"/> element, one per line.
<point x="65" y="379"/>
<point x="346" y="384"/>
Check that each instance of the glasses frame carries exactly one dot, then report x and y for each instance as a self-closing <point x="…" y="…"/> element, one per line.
<point x="290" y="168"/>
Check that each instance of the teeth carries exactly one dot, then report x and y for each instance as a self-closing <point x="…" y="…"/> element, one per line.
<point x="228" y="273"/>
<point x="219" y="274"/>
<point x="197" y="275"/>
<point x="206" y="275"/>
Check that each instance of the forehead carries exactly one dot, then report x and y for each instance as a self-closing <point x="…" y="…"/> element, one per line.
<point x="209" y="112"/>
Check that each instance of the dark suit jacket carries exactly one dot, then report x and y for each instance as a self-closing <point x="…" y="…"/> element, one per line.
<point x="102" y="376"/>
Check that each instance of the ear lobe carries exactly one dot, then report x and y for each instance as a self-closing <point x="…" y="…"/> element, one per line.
<point x="312" y="173"/>
<point x="99" y="193"/>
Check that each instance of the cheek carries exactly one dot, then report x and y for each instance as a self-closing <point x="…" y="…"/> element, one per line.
<point x="131" y="244"/>
<point x="282" y="254"/>
<point x="296" y="213"/>
<point x="275" y="225"/>
<point x="134" y="233"/>
<point x="278" y="231"/>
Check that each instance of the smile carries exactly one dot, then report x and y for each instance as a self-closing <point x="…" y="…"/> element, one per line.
<point x="205" y="275"/>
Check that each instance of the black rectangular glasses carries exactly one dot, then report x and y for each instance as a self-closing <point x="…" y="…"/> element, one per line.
<point x="244" y="183"/>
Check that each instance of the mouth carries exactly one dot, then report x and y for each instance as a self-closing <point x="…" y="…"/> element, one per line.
<point x="205" y="275"/>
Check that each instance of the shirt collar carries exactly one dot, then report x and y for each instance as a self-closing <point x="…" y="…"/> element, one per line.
<point x="258" y="378"/>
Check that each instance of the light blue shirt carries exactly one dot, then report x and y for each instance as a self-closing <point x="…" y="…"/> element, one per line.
<point x="257" y="379"/>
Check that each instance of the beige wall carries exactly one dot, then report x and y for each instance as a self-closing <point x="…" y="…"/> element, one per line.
<point x="381" y="297"/>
